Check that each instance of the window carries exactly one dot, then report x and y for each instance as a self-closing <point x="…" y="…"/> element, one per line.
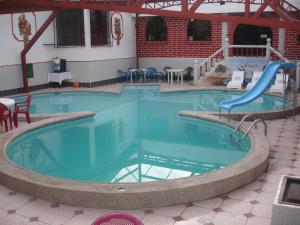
<point x="100" y="28"/>
<point x="251" y="35"/>
<point x="199" y="30"/>
<point x="298" y="39"/>
<point x="69" y="28"/>
<point x="156" y="29"/>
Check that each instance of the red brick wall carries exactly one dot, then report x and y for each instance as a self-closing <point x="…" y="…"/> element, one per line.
<point x="178" y="46"/>
<point x="292" y="47"/>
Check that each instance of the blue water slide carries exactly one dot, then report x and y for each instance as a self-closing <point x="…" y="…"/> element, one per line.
<point x="263" y="84"/>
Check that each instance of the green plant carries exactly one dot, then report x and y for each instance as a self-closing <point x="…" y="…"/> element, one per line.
<point x="220" y="68"/>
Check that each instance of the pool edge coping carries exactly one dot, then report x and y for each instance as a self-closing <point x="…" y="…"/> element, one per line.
<point x="133" y="195"/>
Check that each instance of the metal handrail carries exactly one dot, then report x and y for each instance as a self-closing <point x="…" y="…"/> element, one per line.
<point x="254" y="123"/>
<point x="241" y="122"/>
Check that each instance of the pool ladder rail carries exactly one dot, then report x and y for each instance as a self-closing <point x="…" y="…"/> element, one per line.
<point x="254" y="123"/>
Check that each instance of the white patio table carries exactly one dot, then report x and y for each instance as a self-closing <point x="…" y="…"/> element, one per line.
<point x="176" y="72"/>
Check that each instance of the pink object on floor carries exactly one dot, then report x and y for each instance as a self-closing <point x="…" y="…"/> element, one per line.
<point x="117" y="219"/>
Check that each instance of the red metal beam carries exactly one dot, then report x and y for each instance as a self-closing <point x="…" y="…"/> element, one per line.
<point x="31" y="43"/>
<point x="184" y="5"/>
<point x="196" y="5"/>
<point x="279" y="11"/>
<point x="137" y="42"/>
<point x="262" y="8"/>
<point x="247" y="8"/>
<point x="168" y="13"/>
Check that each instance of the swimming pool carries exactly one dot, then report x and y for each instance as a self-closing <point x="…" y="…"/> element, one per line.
<point x="107" y="159"/>
<point x="135" y="137"/>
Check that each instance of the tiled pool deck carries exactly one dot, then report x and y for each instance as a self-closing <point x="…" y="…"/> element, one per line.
<point x="249" y="205"/>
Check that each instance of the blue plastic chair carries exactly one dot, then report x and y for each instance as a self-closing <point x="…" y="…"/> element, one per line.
<point x="151" y="73"/>
<point x="124" y="75"/>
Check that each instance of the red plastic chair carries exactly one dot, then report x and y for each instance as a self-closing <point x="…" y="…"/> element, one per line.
<point x="22" y="108"/>
<point x="117" y="219"/>
<point x="5" y="114"/>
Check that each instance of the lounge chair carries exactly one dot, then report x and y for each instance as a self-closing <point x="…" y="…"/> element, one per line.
<point x="255" y="77"/>
<point x="237" y="79"/>
<point x="279" y="86"/>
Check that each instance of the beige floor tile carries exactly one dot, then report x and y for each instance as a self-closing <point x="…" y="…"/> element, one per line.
<point x="12" y="201"/>
<point x="243" y="195"/>
<point x="13" y="219"/>
<point x="236" y="206"/>
<point x="139" y="213"/>
<point x="153" y="219"/>
<point x="273" y="177"/>
<point x="269" y="187"/>
<point x="210" y="203"/>
<point x="193" y="221"/>
<point x="38" y="223"/>
<point x="253" y="186"/>
<point x="81" y="220"/>
<point x="201" y="214"/>
<point x="258" y="221"/>
<point x="265" y="197"/>
<point x="95" y="212"/>
<point x="57" y="215"/>
<point x="262" y="210"/>
<point x="34" y="208"/>
<point x="170" y="211"/>
<point x="226" y="218"/>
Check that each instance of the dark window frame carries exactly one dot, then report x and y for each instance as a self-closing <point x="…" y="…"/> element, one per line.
<point x="199" y="30"/>
<point x="69" y="28"/>
<point x="156" y="29"/>
<point x="101" y="31"/>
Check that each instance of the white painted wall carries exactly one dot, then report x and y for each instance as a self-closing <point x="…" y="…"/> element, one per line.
<point x="10" y="49"/>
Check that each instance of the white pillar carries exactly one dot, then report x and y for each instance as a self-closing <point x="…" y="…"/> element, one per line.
<point x="224" y="33"/>
<point x="87" y="37"/>
<point x="226" y="51"/>
<point x="298" y="76"/>
<point x="196" y="71"/>
<point x="87" y="28"/>
<point x="281" y="40"/>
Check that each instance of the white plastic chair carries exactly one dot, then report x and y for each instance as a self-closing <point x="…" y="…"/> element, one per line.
<point x="237" y="79"/>
<point x="279" y="86"/>
<point x="255" y="77"/>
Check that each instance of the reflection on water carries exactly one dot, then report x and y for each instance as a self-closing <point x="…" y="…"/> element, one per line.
<point x="136" y="139"/>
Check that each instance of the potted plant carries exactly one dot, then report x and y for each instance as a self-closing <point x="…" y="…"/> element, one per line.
<point x="220" y="69"/>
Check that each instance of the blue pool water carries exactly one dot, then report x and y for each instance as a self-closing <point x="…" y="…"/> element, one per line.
<point x="137" y="136"/>
<point x="189" y="100"/>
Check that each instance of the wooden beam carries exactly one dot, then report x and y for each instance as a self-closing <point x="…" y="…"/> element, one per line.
<point x="247" y="8"/>
<point x="31" y="43"/>
<point x="196" y="5"/>
<point x="184" y="5"/>
<point x="167" y="13"/>
<point x="262" y="8"/>
<point x="279" y="12"/>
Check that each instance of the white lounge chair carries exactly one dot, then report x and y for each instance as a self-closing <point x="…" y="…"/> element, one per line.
<point x="255" y="77"/>
<point x="237" y="79"/>
<point x="279" y="86"/>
